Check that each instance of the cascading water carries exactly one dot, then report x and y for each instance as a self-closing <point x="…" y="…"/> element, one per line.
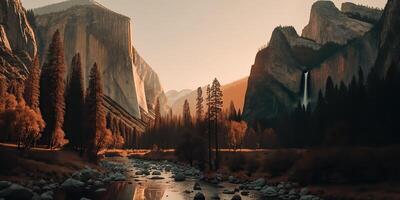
<point x="305" y="92"/>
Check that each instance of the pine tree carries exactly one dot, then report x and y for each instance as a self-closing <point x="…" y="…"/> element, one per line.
<point x="208" y="101"/>
<point x="74" y="100"/>
<point x="199" y="106"/>
<point x="157" y="111"/>
<point x="98" y="136"/>
<point x="52" y="88"/>
<point x="216" y="108"/>
<point x="32" y="86"/>
<point x="232" y="111"/>
<point x="187" y="118"/>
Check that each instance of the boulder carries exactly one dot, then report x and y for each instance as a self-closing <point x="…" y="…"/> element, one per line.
<point x="157" y="173"/>
<point x="226" y="191"/>
<point x="4" y="184"/>
<point x="269" y="191"/>
<point x="236" y="197"/>
<point x="72" y="184"/>
<point x="17" y="192"/>
<point x="47" y="195"/>
<point x="179" y="177"/>
<point x="196" y="186"/>
<point x="199" y="196"/>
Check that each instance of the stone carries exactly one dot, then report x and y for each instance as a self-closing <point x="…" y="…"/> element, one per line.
<point x="215" y="196"/>
<point x="157" y="178"/>
<point x="245" y="193"/>
<point x="179" y="177"/>
<point x="309" y="197"/>
<point x="269" y="192"/>
<point x="227" y="191"/>
<point x="236" y="197"/>
<point x="72" y="184"/>
<point x="47" y="195"/>
<point x="196" y="186"/>
<point x="101" y="190"/>
<point x="4" y="184"/>
<point x="304" y="191"/>
<point x="199" y="196"/>
<point x="157" y="173"/>
<point x="15" y="191"/>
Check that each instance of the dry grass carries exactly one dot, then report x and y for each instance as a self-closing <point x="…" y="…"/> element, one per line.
<point x="18" y="166"/>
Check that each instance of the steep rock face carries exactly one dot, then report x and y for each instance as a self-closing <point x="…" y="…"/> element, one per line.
<point x="17" y="40"/>
<point x="328" y="24"/>
<point x="389" y="37"/>
<point x="99" y="35"/>
<point x="275" y="83"/>
<point x="362" y="13"/>
<point x="152" y="85"/>
<point x="274" y="80"/>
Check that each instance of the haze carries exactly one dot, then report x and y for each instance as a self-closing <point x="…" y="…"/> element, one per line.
<point x="188" y="43"/>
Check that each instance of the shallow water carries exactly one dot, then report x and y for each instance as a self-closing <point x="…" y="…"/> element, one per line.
<point x="145" y="188"/>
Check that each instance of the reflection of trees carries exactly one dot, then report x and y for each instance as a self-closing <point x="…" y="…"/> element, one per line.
<point x="155" y="192"/>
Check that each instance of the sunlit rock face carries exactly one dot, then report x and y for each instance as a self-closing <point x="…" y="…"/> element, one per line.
<point x="152" y="85"/>
<point x="17" y="40"/>
<point x="328" y="24"/>
<point x="99" y="35"/>
<point x="332" y="44"/>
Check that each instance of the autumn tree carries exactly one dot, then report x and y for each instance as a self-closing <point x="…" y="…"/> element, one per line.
<point x="187" y="118"/>
<point x="199" y="106"/>
<point x="74" y="100"/>
<point x="52" y="88"/>
<point x="32" y="86"/>
<point x="216" y="108"/>
<point x="98" y="136"/>
<point x="237" y="131"/>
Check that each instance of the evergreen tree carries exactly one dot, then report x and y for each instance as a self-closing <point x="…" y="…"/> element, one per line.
<point x="208" y="102"/>
<point x="74" y="100"/>
<point x="157" y="111"/>
<point x="187" y="118"/>
<point x="32" y="86"/>
<point x="98" y="136"/>
<point x="52" y="87"/>
<point x="216" y="108"/>
<point x="232" y="112"/>
<point x="199" y="106"/>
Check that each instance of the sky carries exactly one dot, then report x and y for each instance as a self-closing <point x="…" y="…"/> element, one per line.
<point x="189" y="43"/>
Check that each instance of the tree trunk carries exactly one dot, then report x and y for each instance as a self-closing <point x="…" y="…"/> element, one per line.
<point x="216" y="143"/>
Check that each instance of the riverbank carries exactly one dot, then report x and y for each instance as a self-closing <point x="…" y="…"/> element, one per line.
<point x="53" y="174"/>
<point x="331" y="173"/>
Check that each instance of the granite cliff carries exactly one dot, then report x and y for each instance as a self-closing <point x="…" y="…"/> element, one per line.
<point x="17" y="40"/>
<point x="103" y="36"/>
<point x="334" y="43"/>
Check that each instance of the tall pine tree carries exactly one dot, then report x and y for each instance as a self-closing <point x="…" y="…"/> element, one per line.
<point x="52" y="88"/>
<point x="98" y="136"/>
<point x="216" y="108"/>
<point x="187" y="118"/>
<point x="199" y="106"/>
<point x="32" y="86"/>
<point x="74" y="100"/>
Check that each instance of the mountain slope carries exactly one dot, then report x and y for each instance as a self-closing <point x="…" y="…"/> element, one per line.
<point x="234" y="91"/>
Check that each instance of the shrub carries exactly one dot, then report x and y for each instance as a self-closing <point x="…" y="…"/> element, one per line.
<point x="347" y="165"/>
<point x="278" y="162"/>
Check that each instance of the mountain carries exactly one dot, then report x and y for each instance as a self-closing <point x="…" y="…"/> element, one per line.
<point x="234" y="91"/>
<point x="174" y="95"/>
<point x="334" y="43"/>
<point x="17" y="40"/>
<point x="103" y="36"/>
<point x="152" y="85"/>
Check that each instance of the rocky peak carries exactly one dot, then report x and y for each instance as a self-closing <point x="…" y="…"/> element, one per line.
<point x="328" y="24"/>
<point x="362" y="13"/>
<point x="65" y="5"/>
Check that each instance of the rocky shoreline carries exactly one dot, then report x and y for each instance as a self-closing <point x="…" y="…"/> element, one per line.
<point x="94" y="183"/>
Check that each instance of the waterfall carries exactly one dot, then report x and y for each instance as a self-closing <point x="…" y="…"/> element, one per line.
<point x="305" y="95"/>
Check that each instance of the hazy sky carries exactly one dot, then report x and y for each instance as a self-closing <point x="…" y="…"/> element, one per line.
<point x="189" y="42"/>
